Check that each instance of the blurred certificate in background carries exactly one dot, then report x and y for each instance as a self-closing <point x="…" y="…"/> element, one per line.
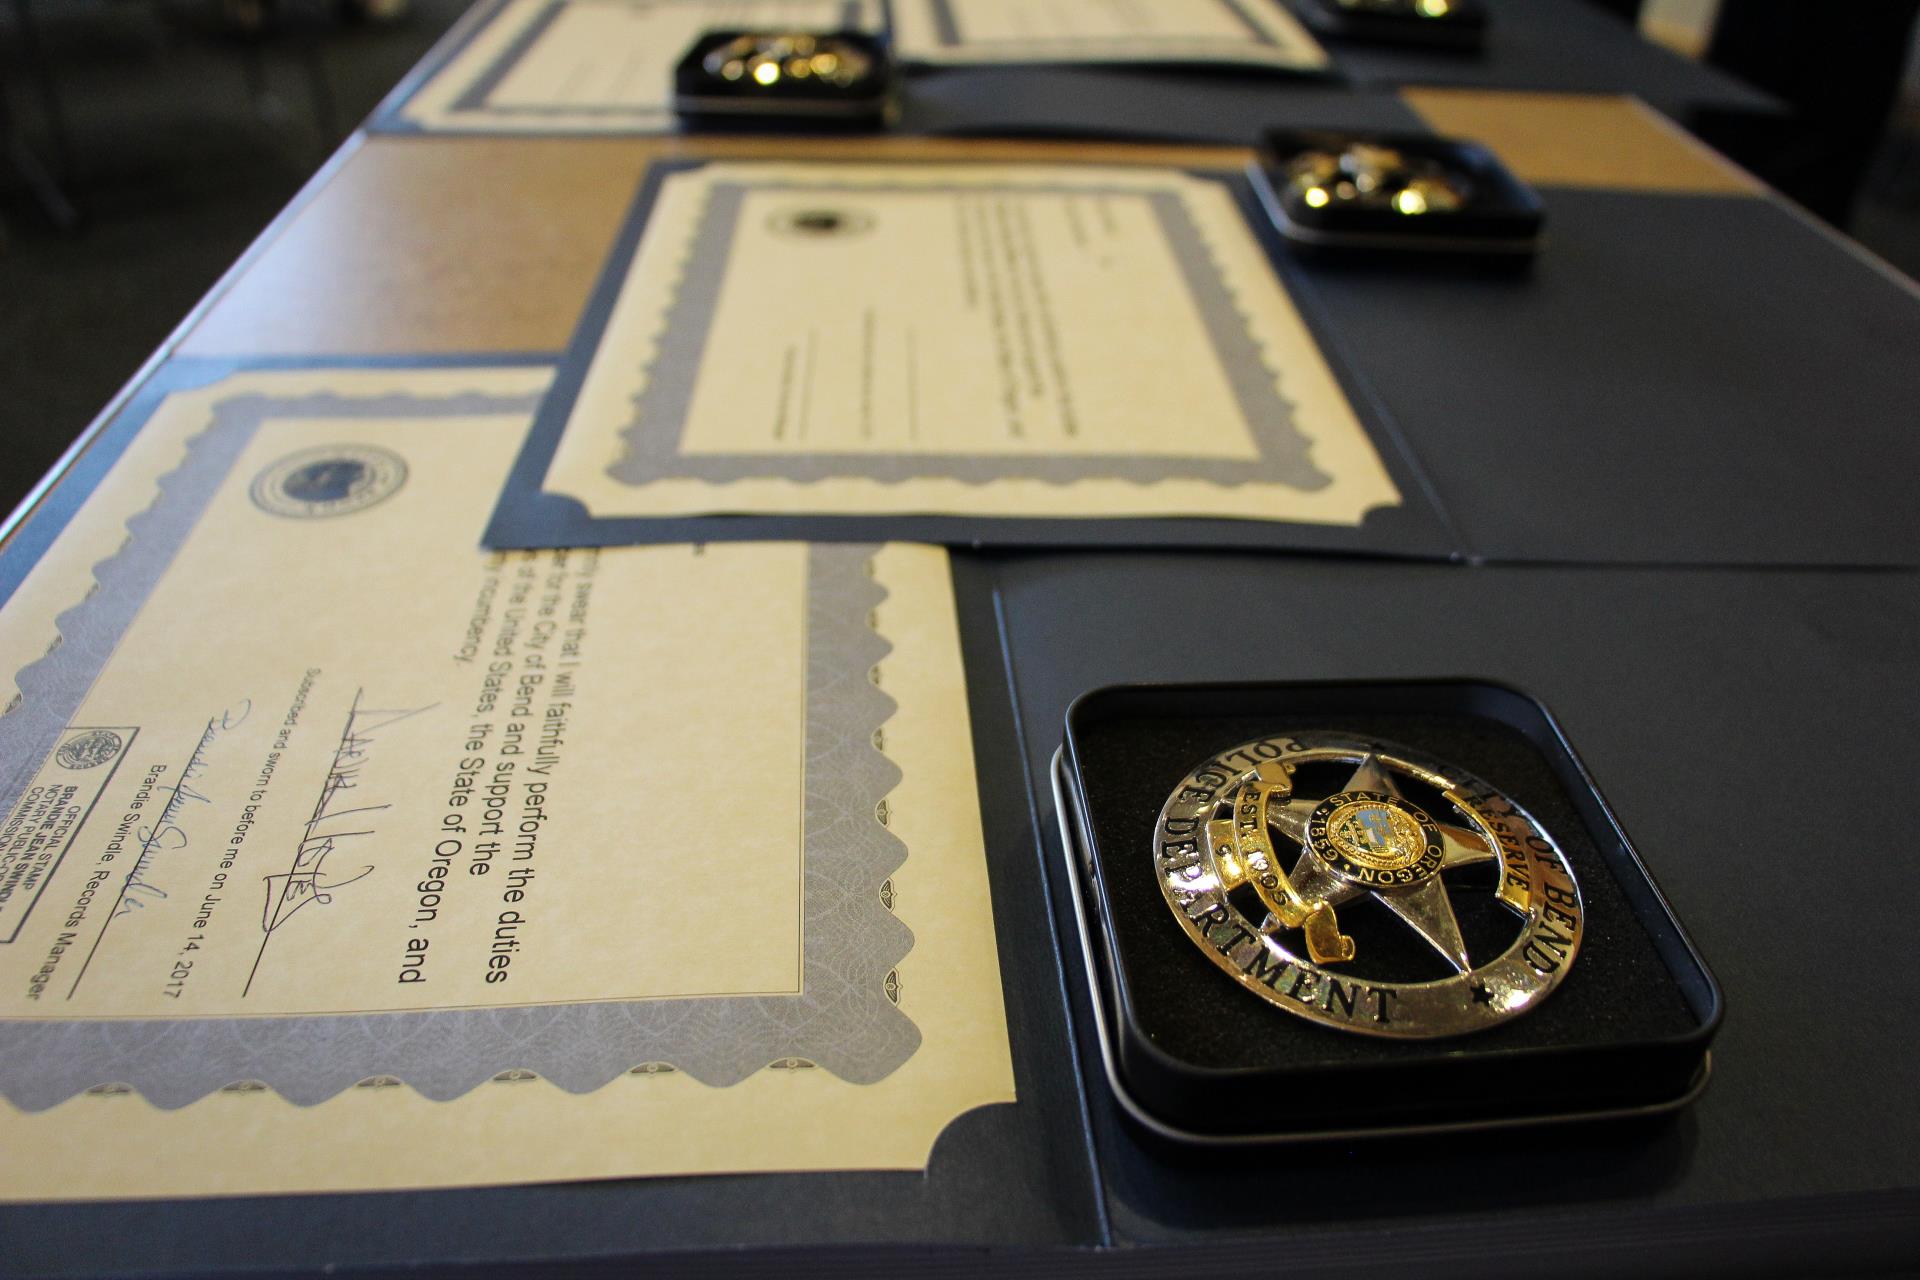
<point x="963" y="339"/>
<point x="1243" y="33"/>
<point x="363" y="856"/>
<point x="585" y="66"/>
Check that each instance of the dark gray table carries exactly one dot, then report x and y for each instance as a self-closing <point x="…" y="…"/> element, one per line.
<point x="1652" y="396"/>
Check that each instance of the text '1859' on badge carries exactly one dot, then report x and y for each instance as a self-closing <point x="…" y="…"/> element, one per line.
<point x="1272" y="853"/>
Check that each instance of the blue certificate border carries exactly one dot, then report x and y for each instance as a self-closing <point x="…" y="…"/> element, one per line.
<point x="844" y="1019"/>
<point x="946" y="26"/>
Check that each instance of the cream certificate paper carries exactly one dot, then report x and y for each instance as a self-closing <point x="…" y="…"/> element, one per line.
<point x="594" y="65"/>
<point x="959" y="339"/>
<point x="1258" y="33"/>
<point x="347" y="856"/>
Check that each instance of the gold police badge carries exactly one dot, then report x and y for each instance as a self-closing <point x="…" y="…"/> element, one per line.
<point x="1260" y="847"/>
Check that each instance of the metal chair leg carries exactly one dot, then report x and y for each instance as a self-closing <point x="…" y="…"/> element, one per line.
<point x="42" y="74"/>
<point x="325" y="113"/>
<point x="46" y="190"/>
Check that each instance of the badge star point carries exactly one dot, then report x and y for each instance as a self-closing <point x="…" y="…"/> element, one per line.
<point x="1290" y="819"/>
<point x="1461" y="846"/>
<point x="1369" y="776"/>
<point x="1427" y="910"/>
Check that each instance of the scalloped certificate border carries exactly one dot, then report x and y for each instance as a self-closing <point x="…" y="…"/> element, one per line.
<point x="842" y="1020"/>
<point x="476" y="99"/>
<point x="653" y="437"/>
<point x="932" y="31"/>
<point x="946" y="26"/>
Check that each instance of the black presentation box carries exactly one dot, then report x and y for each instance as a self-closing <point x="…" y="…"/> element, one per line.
<point x="1193" y="1059"/>
<point x="1432" y="24"/>
<point x="1501" y="216"/>
<point x="868" y="101"/>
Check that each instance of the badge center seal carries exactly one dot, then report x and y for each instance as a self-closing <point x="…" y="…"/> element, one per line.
<point x="1373" y="837"/>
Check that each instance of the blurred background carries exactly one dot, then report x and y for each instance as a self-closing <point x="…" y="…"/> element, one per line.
<point x="147" y="142"/>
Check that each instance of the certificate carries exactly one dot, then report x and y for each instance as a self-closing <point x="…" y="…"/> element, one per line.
<point x="1252" y="33"/>
<point x="961" y="339"/>
<point x="359" y="854"/>
<point x="593" y="65"/>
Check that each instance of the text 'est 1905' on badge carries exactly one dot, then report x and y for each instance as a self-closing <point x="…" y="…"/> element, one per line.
<point x="1260" y="848"/>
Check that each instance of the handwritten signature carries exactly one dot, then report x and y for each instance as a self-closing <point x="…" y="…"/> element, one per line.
<point x="335" y="821"/>
<point x="166" y="834"/>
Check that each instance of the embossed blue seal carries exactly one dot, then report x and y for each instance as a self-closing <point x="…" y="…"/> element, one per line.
<point x="819" y="223"/>
<point x="331" y="480"/>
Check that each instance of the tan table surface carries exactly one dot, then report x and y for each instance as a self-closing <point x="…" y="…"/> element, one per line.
<point x="438" y="245"/>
